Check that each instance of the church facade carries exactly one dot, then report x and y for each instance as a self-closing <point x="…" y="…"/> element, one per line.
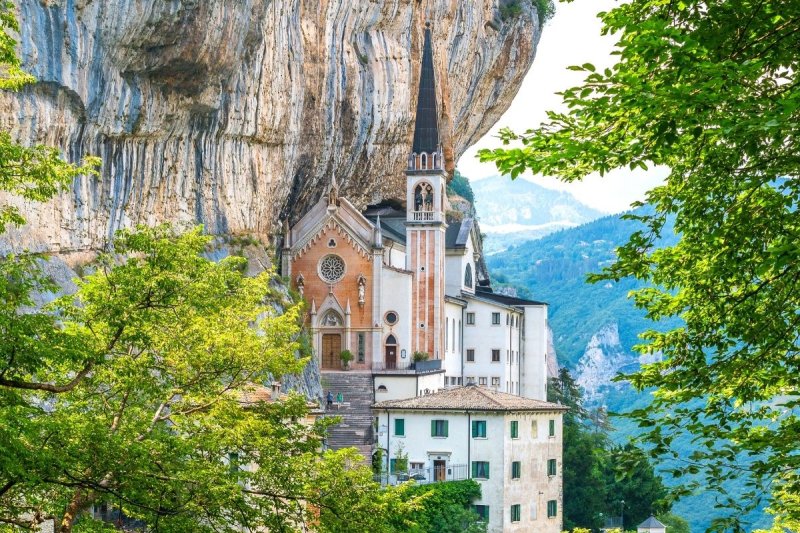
<point x="395" y="283"/>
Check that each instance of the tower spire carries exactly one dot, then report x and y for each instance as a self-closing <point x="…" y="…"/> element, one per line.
<point x="426" y="130"/>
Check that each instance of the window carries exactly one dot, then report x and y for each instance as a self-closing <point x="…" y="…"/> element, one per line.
<point x="495" y="319"/>
<point x="480" y="469"/>
<point x="470" y="380"/>
<point x="516" y="469"/>
<point x="416" y="466"/>
<point x="468" y="276"/>
<point x="515" y="513"/>
<point x="361" y="344"/>
<point x="479" y="429"/>
<point x="495" y="382"/>
<point x="470" y="319"/>
<point x="482" y="511"/>
<point x="534" y="429"/>
<point x="400" y="427"/>
<point x="438" y="428"/>
<point x="233" y="463"/>
<point x="495" y="356"/>
<point x="552" y="428"/>
<point x="552" y="508"/>
<point x="514" y="429"/>
<point x="470" y="355"/>
<point x="453" y="336"/>
<point x="390" y="318"/>
<point x="482" y="381"/>
<point x="331" y="268"/>
<point x="392" y="466"/>
<point x="551" y="467"/>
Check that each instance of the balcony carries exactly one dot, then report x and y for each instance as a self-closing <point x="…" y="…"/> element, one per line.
<point x="423" y="216"/>
<point x="423" y="476"/>
<point x="407" y="366"/>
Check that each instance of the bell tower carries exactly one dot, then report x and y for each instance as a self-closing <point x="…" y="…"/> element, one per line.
<point x="426" y="182"/>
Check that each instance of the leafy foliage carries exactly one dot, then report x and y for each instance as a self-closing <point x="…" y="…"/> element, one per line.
<point x="600" y="478"/>
<point x="444" y="507"/>
<point x="460" y="185"/>
<point x="711" y="91"/>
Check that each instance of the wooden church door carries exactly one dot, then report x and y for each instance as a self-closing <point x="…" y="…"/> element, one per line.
<point x="331" y="347"/>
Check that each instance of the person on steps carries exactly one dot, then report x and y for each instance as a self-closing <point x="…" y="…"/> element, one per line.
<point x="330" y="400"/>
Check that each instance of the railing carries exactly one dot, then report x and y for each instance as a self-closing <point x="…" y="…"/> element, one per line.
<point x="422" y="216"/>
<point x="424" y="476"/>
<point x="408" y="366"/>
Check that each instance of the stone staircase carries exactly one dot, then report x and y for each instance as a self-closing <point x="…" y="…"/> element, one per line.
<point x="355" y="429"/>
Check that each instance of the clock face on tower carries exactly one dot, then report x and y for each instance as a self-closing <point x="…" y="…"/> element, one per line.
<point x="331" y="268"/>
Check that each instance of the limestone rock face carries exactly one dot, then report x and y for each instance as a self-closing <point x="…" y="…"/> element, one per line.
<point x="236" y="113"/>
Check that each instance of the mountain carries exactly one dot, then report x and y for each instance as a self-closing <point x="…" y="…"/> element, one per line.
<point x="515" y="211"/>
<point x="236" y="113"/>
<point x="595" y="326"/>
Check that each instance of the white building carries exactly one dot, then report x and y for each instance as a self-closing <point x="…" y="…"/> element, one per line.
<point x="395" y="280"/>
<point x="511" y="445"/>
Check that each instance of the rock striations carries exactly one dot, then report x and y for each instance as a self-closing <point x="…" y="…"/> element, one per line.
<point x="235" y="113"/>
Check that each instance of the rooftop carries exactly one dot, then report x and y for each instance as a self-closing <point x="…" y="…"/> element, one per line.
<point x="652" y="522"/>
<point x="470" y="397"/>
<point x="486" y="292"/>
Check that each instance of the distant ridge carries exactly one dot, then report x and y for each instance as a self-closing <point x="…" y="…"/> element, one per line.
<point x="515" y="211"/>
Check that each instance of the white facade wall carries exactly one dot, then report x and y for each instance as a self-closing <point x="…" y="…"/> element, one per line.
<point x="483" y="337"/>
<point x="402" y="386"/>
<point x="395" y="296"/>
<point x="454" y="343"/>
<point x="535" y="487"/>
<point x="534" y="353"/>
<point x="455" y="268"/>
<point x="459" y="449"/>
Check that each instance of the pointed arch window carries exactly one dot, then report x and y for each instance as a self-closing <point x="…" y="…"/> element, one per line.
<point x="391" y="340"/>
<point x="468" y="276"/>
<point x="423" y="197"/>
<point x="423" y="161"/>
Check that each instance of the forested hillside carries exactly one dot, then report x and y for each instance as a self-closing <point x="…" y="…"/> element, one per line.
<point x="554" y="269"/>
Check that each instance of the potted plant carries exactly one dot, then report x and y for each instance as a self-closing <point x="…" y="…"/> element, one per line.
<point x="346" y="356"/>
<point x="419" y="357"/>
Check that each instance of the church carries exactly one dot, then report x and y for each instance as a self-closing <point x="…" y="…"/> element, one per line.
<point x="398" y="287"/>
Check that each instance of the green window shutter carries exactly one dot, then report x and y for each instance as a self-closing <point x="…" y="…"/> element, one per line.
<point x="433" y="428"/>
<point x="474" y="469"/>
<point x="514" y="429"/>
<point x="392" y="465"/>
<point x="552" y="428"/>
<point x="487" y="470"/>
<point x="400" y="427"/>
<point x="474" y="428"/>
<point x="445" y="428"/>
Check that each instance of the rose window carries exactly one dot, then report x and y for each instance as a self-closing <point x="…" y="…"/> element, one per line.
<point x="331" y="268"/>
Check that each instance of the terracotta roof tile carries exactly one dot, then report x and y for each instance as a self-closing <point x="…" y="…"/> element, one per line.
<point x="471" y="397"/>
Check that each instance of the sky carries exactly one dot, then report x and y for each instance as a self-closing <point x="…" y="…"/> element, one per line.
<point x="571" y="37"/>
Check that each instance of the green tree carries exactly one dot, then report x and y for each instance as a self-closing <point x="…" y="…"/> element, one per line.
<point x="674" y="523"/>
<point x="141" y="389"/>
<point x="137" y="390"/>
<point x="710" y="90"/>
<point x="460" y="185"/>
<point x="442" y="508"/>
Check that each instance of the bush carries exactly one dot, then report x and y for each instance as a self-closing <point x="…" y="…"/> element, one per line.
<point x="420" y="356"/>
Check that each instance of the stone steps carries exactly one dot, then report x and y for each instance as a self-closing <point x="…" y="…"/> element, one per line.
<point x="355" y="428"/>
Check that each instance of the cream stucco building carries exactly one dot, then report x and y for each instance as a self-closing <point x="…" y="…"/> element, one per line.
<point x="511" y="445"/>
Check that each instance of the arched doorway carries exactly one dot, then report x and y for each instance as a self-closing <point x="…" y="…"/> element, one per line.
<point x="331" y="325"/>
<point x="391" y="352"/>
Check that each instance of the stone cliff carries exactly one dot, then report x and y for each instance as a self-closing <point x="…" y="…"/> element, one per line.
<point x="235" y="113"/>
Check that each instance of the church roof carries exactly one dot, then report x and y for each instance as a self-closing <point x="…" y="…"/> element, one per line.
<point x="426" y="129"/>
<point x="488" y="294"/>
<point x="470" y="397"/>
<point x="457" y="233"/>
<point x="651" y="523"/>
